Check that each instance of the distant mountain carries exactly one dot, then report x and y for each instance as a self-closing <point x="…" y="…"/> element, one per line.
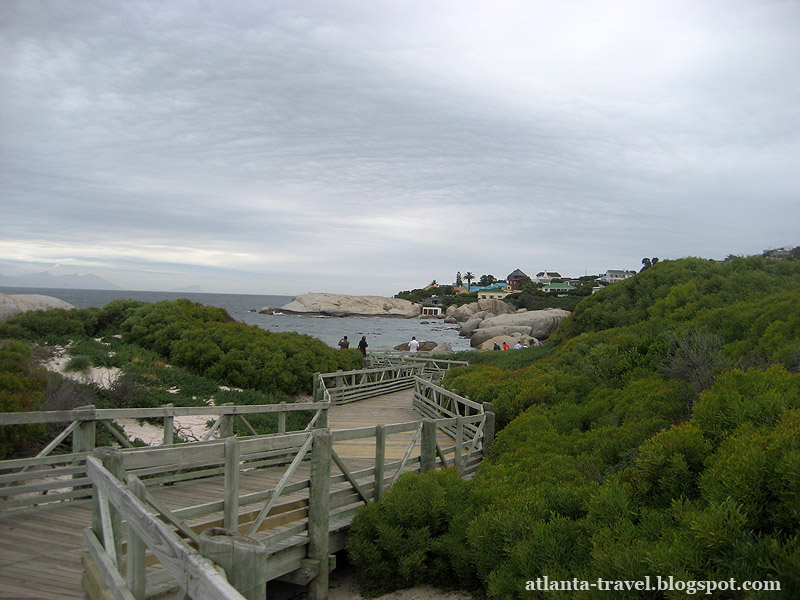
<point x="189" y="288"/>
<point x="46" y="279"/>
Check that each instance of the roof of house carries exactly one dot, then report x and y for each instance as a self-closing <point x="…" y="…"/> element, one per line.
<point x="549" y="274"/>
<point x="559" y="286"/>
<point x="516" y="273"/>
<point x="496" y="285"/>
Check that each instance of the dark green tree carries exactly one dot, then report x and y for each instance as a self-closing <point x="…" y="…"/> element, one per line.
<point x="470" y="277"/>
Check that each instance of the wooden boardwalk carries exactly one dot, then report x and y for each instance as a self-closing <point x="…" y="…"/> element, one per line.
<point x="41" y="548"/>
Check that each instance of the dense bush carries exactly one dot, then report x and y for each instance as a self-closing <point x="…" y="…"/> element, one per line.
<point x="205" y="341"/>
<point x="22" y="388"/>
<point x="409" y="535"/>
<point x="658" y="433"/>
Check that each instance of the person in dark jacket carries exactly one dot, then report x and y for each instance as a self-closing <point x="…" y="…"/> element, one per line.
<point x="362" y="345"/>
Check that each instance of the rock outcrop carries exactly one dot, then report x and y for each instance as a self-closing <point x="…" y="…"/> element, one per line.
<point x="542" y="322"/>
<point x="537" y="324"/>
<point x="465" y="312"/>
<point x="12" y="304"/>
<point x="468" y="328"/>
<point x="341" y="305"/>
<point x="497" y="307"/>
<point x="486" y="333"/>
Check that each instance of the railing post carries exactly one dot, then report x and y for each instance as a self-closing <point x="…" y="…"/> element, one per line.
<point x="169" y="427"/>
<point x="231" y="495"/>
<point x="459" y="443"/>
<point x="83" y="438"/>
<point x="135" y="575"/>
<point x="318" y="512"/>
<point x="243" y="558"/>
<point x="338" y="382"/>
<point x="226" y="424"/>
<point x="282" y="420"/>
<point x="488" y="428"/>
<point x="380" y="460"/>
<point x="427" y="459"/>
<point x="316" y="393"/>
<point x="112" y="462"/>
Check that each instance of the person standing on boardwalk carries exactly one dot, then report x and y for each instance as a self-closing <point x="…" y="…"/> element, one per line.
<point x="362" y="345"/>
<point x="413" y="345"/>
<point x="344" y="343"/>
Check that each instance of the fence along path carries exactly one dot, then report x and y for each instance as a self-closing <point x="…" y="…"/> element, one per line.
<point x="41" y="550"/>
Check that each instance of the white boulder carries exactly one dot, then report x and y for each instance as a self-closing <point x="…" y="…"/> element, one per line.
<point x="542" y="322"/>
<point x="342" y="305"/>
<point x="12" y="304"/>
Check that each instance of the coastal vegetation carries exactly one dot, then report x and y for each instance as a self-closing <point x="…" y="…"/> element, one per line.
<point x="657" y="433"/>
<point x="175" y="352"/>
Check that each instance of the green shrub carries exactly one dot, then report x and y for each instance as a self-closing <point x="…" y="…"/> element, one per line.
<point x="406" y="538"/>
<point x="79" y="363"/>
<point x="668" y="466"/>
<point x="759" y="469"/>
<point x="738" y="398"/>
<point x="22" y="388"/>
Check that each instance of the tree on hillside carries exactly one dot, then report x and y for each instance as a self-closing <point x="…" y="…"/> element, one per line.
<point x="648" y="262"/>
<point x="459" y="281"/>
<point x="433" y="283"/>
<point x="470" y="277"/>
<point x="486" y="280"/>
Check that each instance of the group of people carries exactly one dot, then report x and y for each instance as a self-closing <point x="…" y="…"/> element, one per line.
<point x="517" y="346"/>
<point x="344" y="344"/>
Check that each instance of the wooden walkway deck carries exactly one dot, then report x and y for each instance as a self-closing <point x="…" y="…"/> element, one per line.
<point x="41" y="548"/>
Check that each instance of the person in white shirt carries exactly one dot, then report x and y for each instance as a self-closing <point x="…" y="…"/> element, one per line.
<point x="413" y="345"/>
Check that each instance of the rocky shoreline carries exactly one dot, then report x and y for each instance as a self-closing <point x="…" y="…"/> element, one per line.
<point x="485" y="322"/>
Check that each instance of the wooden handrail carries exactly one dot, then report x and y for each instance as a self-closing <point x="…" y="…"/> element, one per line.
<point x="99" y="414"/>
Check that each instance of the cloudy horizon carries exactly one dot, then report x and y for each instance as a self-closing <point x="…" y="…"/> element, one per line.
<point x="360" y="147"/>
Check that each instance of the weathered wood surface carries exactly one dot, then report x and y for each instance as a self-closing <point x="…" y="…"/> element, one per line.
<point x="41" y="548"/>
<point x="42" y="479"/>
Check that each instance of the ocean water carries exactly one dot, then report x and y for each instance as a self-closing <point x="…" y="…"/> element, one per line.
<point x="382" y="333"/>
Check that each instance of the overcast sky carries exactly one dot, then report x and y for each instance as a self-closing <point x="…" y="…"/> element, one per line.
<point x="371" y="146"/>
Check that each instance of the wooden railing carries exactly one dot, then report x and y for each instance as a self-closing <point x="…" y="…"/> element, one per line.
<point x="433" y="369"/>
<point x="431" y="400"/>
<point x="350" y="386"/>
<point x="293" y="529"/>
<point x="49" y="477"/>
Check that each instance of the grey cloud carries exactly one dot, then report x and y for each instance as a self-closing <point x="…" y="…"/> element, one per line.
<point x="404" y="135"/>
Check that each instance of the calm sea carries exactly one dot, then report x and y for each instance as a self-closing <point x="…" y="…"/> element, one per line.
<point x="382" y="333"/>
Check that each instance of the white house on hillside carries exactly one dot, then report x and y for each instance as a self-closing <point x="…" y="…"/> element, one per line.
<point x="545" y="277"/>
<point x="614" y="275"/>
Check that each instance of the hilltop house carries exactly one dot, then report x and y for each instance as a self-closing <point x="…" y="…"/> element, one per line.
<point x="614" y="275"/>
<point x="515" y="279"/>
<point x="545" y="277"/>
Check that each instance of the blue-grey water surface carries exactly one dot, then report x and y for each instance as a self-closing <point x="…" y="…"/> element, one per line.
<point x="382" y="332"/>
